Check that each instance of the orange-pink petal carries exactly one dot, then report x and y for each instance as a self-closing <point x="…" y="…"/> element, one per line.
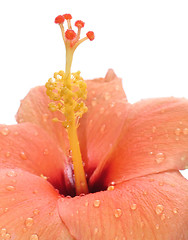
<point x="28" y="208"/>
<point x="151" y="207"/>
<point x="154" y="139"/>
<point x="101" y="126"/>
<point x="34" y="108"/>
<point x="30" y="148"/>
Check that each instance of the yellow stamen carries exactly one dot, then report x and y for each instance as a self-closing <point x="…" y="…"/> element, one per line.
<point x="67" y="90"/>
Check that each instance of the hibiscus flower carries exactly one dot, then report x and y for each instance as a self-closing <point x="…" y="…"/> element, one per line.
<point x="131" y="153"/>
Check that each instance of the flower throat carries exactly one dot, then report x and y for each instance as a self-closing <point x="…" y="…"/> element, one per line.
<point x="67" y="91"/>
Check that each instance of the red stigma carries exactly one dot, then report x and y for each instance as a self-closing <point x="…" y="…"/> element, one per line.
<point x="79" y="24"/>
<point x="59" y="19"/>
<point x="70" y="34"/>
<point x="90" y="35"/>
<point x="67" y="16"/>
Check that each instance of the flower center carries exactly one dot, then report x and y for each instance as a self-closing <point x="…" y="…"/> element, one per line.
<point x="67" y="91"/>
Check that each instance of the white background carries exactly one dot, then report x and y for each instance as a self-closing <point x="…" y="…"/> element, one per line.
<point x="144" y="41"/>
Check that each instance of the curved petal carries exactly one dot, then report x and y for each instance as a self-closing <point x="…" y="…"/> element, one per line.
<point x="102" y="124"/>
<point x="28" y="208"/>
<point x="153" y="207"/>
<point x="154" y="139"/>
<point x="28" y="147"/>
<point x="107" y="107"/>
<point x="34" y="108"/>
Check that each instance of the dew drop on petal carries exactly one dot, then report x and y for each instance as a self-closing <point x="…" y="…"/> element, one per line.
<point x="23" y="156"/>
<point x="110" y="188"/>
<point x="163" y="217"/>
<point x="160" y="157"/>
<point x="96" y="230"/>
<point x="103" y="128"/>
<point x="185" y="131"/>
<point x="96" y="203"/>
<point x="175" y="210"/>
<point x="157" y="226"/>
<point x="36" y="211"/>
<point x="133" y="206"/>
<point x="106" y="96"/>
<point x="112" y="104"/>
<point x="7" y="154"/>
<point x="177" y="131"/>
<point x="7" y="236"/>
<point x="45" y="117"/>
<point x="3" y="232"/>
<point x="117" y="213"/>
<point x="11" y="173"/>
<point x="46" y="151"/>
<point x="154" y="129"/>
<point x="94" y="102"/>
<point x="10" y="188"/>
<point x="86" y="203"/>
<point x="5" y="131"/>
<point x="34" y="237"/>
<point x="29" y="222"/>
<point x="159" y="209"/>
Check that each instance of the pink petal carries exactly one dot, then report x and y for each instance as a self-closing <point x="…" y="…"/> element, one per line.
<point x="154" y="139"/>
<point x="34" y="108"/>
<point x="151" y="207"/>
<point x="28" y="208"/>
<point x="102" y="124"/>
<point x="28" y="147"/>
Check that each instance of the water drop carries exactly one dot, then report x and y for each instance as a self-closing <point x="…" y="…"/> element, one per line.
<point x="86" y="203"/>
<point x="159" y="209"/>
<point x="23" y="156"/>
<point x="103" y="128"/>
<point x="34" y="237"/>
<point x="185" y="131"/>
<point x="96" y="203"/>
<point x="10" y="188"/>
<point x="3" y="232"/>
<point x="96" y="230"/>
<point x="160" y="157"/>
<point x="110" y="188"/>
<point x="5" y="131"/>
<point x="157" y="226"/>
<point x="6" y="210"/>
<point x="7" y="236"/>
<point x="177" y="131"/>
<point x="133" y="206"/>
<point x="112" y="104"/>
<point x="117" y="213"/>
<point x="46" y="151"/>
<point x="175" y="210"/>
<point x="45" y="117"/>
<point x="94" y="102"/>
<point x="29" y="222"/>
<point x="154" y="129"/>
<point x="161" y="183"/>
<point x="106" y="96"/>
<point x="16" y="133"/>
<point x="44" y="177"/>
<point x="36" y="211"/>
<point x="7" y="154"/>
<point x="163" y="217"/>
<point x="11" y="173"/>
